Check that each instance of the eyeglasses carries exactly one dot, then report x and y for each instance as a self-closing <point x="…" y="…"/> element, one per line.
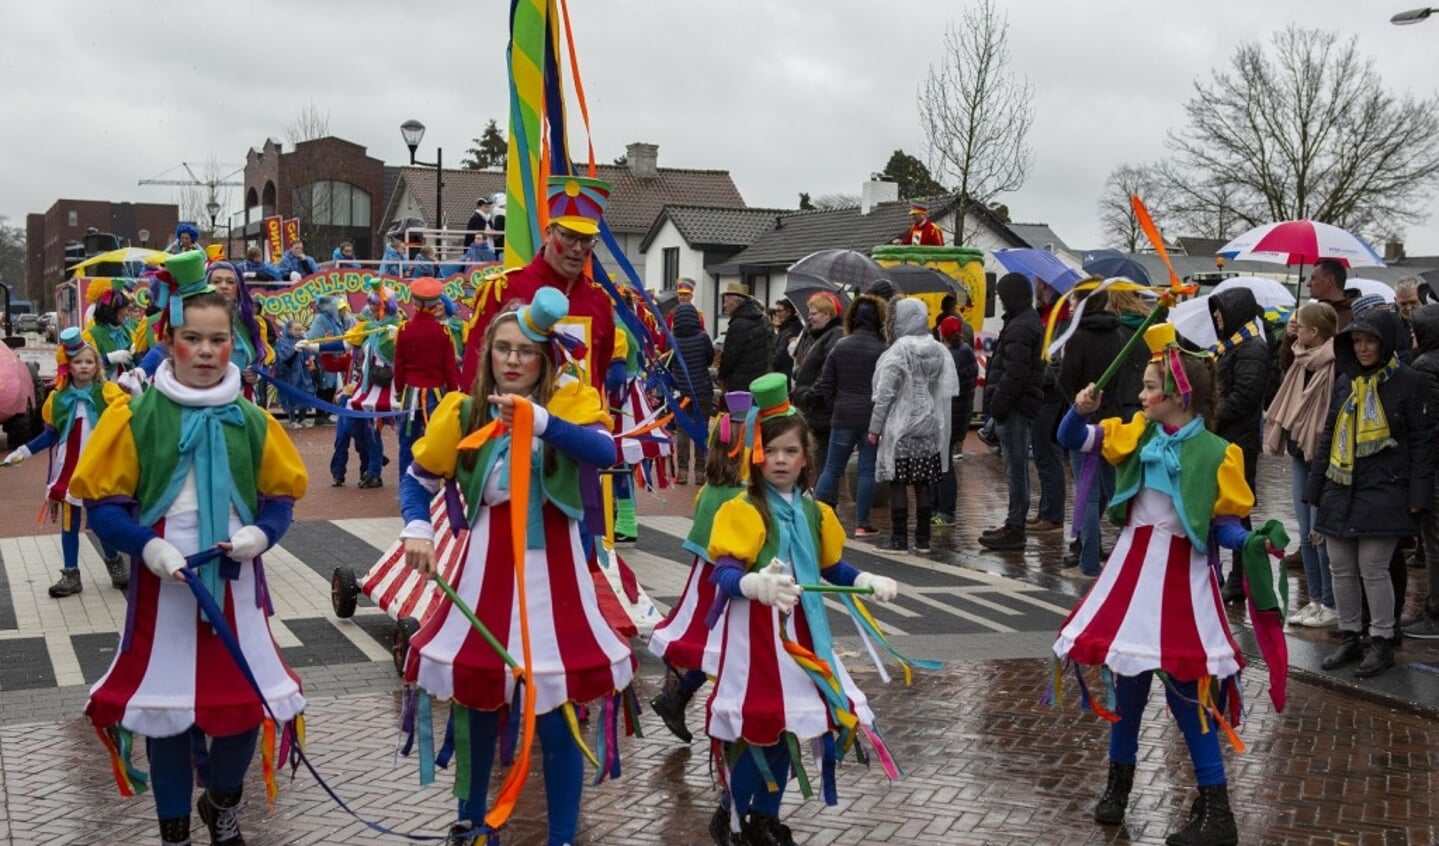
<point x="524" y="354"/>
<point x="571" y="239"/>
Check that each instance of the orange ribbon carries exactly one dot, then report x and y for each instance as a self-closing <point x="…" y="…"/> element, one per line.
<point x="1151" y="232"/>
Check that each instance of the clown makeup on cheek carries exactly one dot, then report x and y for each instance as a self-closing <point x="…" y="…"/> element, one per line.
<point x="202" y="347"/>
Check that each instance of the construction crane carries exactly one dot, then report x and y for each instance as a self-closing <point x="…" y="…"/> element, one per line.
<point x="212" y="205"/>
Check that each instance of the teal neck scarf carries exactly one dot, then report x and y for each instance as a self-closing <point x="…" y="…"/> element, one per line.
<point x="65" y="403"/>
<point x="1160" y="457"/>
<point x="797" y="546"/>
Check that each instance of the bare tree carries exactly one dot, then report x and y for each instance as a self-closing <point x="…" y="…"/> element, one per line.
<point x="1117" y="221"/>
<point x="1201" y="206"/>
<point x="1305" y="129"/>
<point x="308" y="124"/>
<point x="975" y="113"/>
<point x="836" y="201"/>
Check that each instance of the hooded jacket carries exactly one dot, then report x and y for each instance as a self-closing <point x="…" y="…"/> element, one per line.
<point x="746" y="347"/>
<point x="1015" y="370"/>
<point x="914" y="382"/>
<point x="1090" y="350"/>
<point x="1243" y="373"/>
<point x="847" y="381"/>
<point x="782" y="361"/>
<point x="1387" y="484"/>
<point x="810" y="355"/>
<point x="694" y="347"/>
<point x="1425" y="323"/>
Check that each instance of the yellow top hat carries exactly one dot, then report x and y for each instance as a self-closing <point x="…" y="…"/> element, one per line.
<point x="1160" y="337"/>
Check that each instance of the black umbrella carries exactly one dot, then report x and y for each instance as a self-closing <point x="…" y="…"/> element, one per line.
<point x="1110" y="263"/>
<point x="799" y="287"/>
<point x="918" y="279"/>
<point x="840" y="267"/>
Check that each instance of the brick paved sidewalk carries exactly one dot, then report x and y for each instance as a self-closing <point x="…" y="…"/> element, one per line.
<point x="984" y="762"/>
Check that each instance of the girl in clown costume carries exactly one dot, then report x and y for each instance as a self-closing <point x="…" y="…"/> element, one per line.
<point x="107" y="332"/>
<point x="1180" y="493"/>
<point x="71" y="411"/>
<point x="683" y="640"/>
<point x="576" y="656"/>
<point x="779" y="681"/>
<point x="191" y="467"/>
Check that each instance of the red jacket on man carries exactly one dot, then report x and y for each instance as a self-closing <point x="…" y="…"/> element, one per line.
<point x="926" y="234"/>
<point x="425" y="355"/>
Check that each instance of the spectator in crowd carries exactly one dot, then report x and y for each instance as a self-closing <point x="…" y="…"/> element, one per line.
<point x="477" y="227"/>
<point x="255" y="268"/>
<point x="1407" y="296"/>
<point x="1372" y="475"/>
<point x="747" y="342"/>
<point x="344" y="255"/>
<point x="1292" y="425"/>
<point x="787" y="328"/>
<point x="1243" y="372"/>
<point x="690" y="368"/>
<point x="296" y="265"/>
<point x="948" y="307"/>
<point x="1097" y="342"/>
<point x="846" y="384"/>
<point x="1326" y="284"/>
<point x="394" y="261"/>
<point x="966" y="369"/>
<point x="1049" y="456"/>
<point x="914" y="385"/>
<point x="810" y="353"/>
<point x="425" y="264"/>
<point x="685" y="295"/>
<point x="294" y="366"/>
<point x="1424" y="624"/>
<point x="1015" y="372"/>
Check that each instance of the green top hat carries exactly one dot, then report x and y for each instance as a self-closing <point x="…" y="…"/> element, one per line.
<point x="187" y="267"/>
<point x="771" y="395"/>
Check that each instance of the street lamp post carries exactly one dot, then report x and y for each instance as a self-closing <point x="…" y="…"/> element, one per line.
<point x="213" y="208"/>
<point x="413" y="131"/>
<point x="1413" y="16"/>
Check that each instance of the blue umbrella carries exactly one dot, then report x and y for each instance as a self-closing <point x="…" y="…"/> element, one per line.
<point x="1041" y="265"/>
<point x="1110" y="263"/>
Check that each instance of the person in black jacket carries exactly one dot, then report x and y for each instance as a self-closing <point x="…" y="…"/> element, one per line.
<point x="1425" y="323"/>
<point x="692" y="355"/>
<point x="846" y="386"/>
<point x="1372" y="475"/>
<point x="1014" y="377"/>
<point x="1244" y="371"/>
<point x="787" y="327"/>
<point x="966" y="368"/>
<point x="747" y="341"/>
<point x="1097" y="342"/>
<point x="810" y="355"/>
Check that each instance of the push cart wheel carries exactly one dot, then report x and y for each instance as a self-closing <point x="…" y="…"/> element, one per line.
<point x="405" y="628"/>
<point x="344" y="592"/>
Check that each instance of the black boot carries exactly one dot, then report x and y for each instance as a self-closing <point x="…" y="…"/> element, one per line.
<point x="922" y="517"/>
<point x="764" y="830"/>
<point x="175" y="832"/>
<point x="69" y="583"/>
<point x="670" y="706"/>
<point x="1115" y="798"/>
<point x="719" y="829"/>
<point x="899" y="521"/>
<point x="464" y="834"/>
<point x="1378" y="657"/>
<point x="1211" y="823"/>
<point x="220" y="813"/>
<point x="1350" y="650"/>
<point x="119" y="572"/>
<point x="1233" y="588"/>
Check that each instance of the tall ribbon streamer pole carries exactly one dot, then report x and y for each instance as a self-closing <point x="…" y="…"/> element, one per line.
<point x="524" y="182"/>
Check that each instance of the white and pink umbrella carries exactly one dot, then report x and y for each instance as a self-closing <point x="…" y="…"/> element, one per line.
<point x="1301" y="242"/>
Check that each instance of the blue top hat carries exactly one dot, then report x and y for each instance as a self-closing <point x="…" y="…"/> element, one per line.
<point x="537" y="320"/>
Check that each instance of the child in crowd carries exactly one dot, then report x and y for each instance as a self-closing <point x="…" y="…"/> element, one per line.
<point x="573" y="656"/>
<point x="71" y="411"/>
<point x="294" y="366"/>
<point x="188" y="468"/>
<point x="779" y="682"/>
<point x="683" y="639"/>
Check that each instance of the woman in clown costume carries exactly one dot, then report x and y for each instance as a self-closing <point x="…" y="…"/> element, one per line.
<point x="107" y="332"/>
<point x="576" y="657"/>
<point x="71" y="411"/>
<point x="1180" y="493"/>
<point x="777" y="661"/>
<point x="191" y="468"/>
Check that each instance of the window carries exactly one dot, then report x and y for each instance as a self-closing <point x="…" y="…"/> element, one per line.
<point x="672" y="268"/>
<point x="333" y="204"/>
<point x="72" y="218"/>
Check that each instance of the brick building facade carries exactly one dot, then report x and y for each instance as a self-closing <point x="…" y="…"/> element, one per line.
<point x="333" y="186"/>
<point x="67" y="220"/>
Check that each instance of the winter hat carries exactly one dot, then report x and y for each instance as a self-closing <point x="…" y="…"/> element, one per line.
<point x="1366" y="302"/>
<point x="949" y="327"/>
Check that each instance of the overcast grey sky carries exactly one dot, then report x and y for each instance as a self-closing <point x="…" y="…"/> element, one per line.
<point x="789" y="95"/>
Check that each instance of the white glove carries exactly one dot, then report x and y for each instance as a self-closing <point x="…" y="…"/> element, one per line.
<point x="247" y="542"/>
<point x="295" y="276"/>
<point x="163" y="559"/>
<point x="18" y="455"/>
<point x="121" y="357"/>
<point x="885" y="588"/>
<point x="771" y="586"/>
<point x="305" y="345"/>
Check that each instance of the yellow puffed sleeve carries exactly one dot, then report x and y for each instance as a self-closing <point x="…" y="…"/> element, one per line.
<point x="622" y="344"/>
<point x="113" y="394"/>
<point x="1121" y="437"/>
<point x="438" y="449"/>
<point x="1235" y="498"/>
<point x="140" y="336"/>
<point x="737" y="531"/>
<point x="109" y="465"/>
<point x="355" y="335"/>
<point x="579" y="403"/>
<point x="831" y="536"/>
<point x="47" y="411"/>
<point x="282" y="471"/>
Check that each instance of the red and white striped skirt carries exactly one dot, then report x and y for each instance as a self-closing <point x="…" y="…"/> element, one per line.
<point x="681" y="639"/>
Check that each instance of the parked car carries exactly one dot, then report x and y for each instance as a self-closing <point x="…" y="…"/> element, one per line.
<point x="49" y="326"/>
<point x="27" y="322"/>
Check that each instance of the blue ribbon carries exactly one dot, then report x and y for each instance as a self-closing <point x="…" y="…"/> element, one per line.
<point x="320" y="405"/>
<point x="796" y="545"/>
<point x="1160" y="457"/>
<point x="68" y="399"/>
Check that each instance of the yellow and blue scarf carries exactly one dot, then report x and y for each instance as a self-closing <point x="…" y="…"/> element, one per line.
<point x="1361" y="428"/>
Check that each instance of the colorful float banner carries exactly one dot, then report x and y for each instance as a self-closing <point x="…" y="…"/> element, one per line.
<point x="274" y="238"/>
<point x="297" y="301"/>
<point x="292" y="231"/>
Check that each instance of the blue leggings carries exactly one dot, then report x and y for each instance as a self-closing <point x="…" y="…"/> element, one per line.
<point x="173" y="765"/>
<point x="70" y="537"/>
<point x="563" y="766"/>
<point x="1131" y="696"/>
<point x="748" y="787"/>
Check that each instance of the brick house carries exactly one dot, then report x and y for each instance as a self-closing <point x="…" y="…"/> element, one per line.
<point x="333" y="186"/>
<point x="46" y="234"/>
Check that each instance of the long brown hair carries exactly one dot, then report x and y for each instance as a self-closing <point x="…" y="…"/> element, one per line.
<point x="721" y="470"/>
<point x="769" y="430"/>
<point x="485" y="385"/>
